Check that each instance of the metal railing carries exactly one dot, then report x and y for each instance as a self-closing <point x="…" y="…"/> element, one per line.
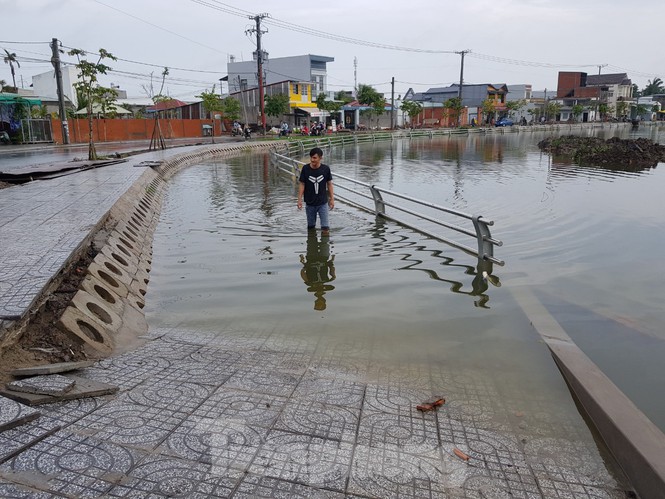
<point x="481" y="231"/>
<point x="297" y="145"/>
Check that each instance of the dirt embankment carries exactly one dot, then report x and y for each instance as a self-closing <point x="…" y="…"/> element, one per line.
<point x="42" y="342"/>
<point x="612" y="152"/>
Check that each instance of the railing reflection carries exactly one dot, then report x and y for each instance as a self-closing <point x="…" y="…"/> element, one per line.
<point x="482" y="273"/>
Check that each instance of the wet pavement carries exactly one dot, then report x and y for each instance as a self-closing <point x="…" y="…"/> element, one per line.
<point x="239" y="413"/>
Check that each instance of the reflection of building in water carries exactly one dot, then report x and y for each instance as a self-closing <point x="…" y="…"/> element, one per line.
<point x="318" y="268"/>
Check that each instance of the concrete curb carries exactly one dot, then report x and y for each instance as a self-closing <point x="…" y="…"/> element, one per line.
<point x="635" y="442"/>
<point x="110" y="299"/>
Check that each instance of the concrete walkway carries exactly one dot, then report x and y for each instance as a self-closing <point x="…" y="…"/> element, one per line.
<point x="256" y="414"/>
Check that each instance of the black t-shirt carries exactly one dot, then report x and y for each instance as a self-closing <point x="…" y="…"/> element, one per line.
<point x="316" y="184"/>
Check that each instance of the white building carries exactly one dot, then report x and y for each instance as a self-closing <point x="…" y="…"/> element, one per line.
<point x="299" y="68"/>
<point x="44" y="84"/>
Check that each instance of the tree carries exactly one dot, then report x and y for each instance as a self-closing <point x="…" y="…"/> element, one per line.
<point x="10" y="58"/>
<point x="211" y="102"/>
<point x="3" y="84"/>
<point x="231" y="108"/>
<point x="157" y="135"/>
<point x="576" y="110"/>
<point x="552" y="110"/>
<point x="488" y="106"/>
<point x="276" y="105"/>
<point x="454" y="107"/>
<point x="514" y="106"/>
<point x="636" y="91"/>
<point x="343" y="96"/>
<point x="653" y="87"/>
<point x="327" y="105"/>
<point x="622" y="108"/>
<point x="90" y="87"/>
<point x="602" y="110"/>
<point x="412" y="108"/>
<point x="368" y="96"/>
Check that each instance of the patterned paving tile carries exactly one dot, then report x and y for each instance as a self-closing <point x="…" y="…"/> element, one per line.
<point x="396" y="399"/>
<point x="304" y="459"/>
<point x="211" y="374"/>
<point x="72" y="464"/>
<point x="227" y="444"/>
<point x="163" y="476"/>
<point x="183" y="395"/>
<point x="21" y="437"/>
<point x="258" y="379"/>
<point x="252" y="408"/>
<point x="331" y="391"/>
<point x="14" y="413"/>
<point x="415" y="434"/>
<point x="14" y="491"/>
<point x="389" y="473"/>
<point x="122" y="422"/>
<point x="262" y="486"/>
<point x="320" y="420"/>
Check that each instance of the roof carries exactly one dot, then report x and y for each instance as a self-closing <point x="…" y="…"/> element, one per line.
<point x="9" y="98"/>
<point x="608" y="79"/>
<point x="321" y="58"/>
<point x="97" y="109"/>
<point x="168" y="104"/>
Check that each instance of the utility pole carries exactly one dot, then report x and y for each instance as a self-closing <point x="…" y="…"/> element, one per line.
<point x="55" y="61"/>
<point x="392" y="103"/>
<point x="259" y="62"/>
<point x="355" y="76"/>
<point x="461" y="82"/>
<point x="601" y="66"/>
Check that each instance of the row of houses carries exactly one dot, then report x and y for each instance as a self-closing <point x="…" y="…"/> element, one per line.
<point x="303" y="78"/>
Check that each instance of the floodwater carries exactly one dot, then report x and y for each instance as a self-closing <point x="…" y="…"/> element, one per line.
<point x="232" y="253"/>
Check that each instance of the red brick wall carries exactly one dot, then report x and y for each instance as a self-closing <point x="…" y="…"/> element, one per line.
<point x="113" y="130"/>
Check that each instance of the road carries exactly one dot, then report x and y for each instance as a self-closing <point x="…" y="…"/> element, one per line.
<point x="19" y="156"/>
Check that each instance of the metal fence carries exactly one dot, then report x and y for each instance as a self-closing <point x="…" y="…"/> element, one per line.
<point x="36" y="130"/>
<point x="381" y="199"/>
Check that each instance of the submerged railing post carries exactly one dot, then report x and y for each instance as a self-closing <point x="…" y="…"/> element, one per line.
<point x="485" y="245"/>
<point x="379" y="205"/>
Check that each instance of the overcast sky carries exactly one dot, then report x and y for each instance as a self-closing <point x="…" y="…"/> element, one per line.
<point x="512" y="41"/>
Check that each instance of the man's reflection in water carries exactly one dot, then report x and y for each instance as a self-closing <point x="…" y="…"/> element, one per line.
<point x="318" y="268"/>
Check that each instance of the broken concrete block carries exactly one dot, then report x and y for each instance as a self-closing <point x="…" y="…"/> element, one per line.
<point x="50" y="384"/>
<point x="83" y="388"/>
<point x="60" y="367"/>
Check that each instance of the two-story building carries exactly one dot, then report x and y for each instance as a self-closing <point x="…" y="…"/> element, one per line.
<point x="301" y="77"/>
<point x="473" y="96"/>
<point x="577" y="88"/>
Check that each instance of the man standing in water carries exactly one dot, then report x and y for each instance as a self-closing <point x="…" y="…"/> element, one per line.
<point x="316" y="187"/>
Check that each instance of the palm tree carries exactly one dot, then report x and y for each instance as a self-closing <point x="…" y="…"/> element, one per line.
<point x="3" y="84"/>
<point x="10" y="59"/>
<point x="654" y="87"/>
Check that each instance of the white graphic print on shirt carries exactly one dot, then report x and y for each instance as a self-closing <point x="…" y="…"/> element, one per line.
<point x="316" y="181"/>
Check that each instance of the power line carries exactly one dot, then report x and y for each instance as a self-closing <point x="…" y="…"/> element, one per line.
<point x="155" y="65"/>
<point x="222" y="7"/>
<point x="159" y="27"/>
<point x="518" y="62"/>
<point x="22" y="43"/>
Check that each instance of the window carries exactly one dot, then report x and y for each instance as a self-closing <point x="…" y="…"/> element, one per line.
<point x="295" y="89"/>
<point x="303" y="89"/>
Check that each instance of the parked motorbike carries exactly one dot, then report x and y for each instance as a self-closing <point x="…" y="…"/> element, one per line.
<point x="248" y="133"/>
<point x="4" y="138"/>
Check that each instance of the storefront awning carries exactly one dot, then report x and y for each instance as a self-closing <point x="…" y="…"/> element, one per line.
<point x="8" y="98"/>
<point x="311" y="111"/>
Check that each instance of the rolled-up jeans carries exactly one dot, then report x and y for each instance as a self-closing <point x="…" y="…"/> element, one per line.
<point x="312" y="210"/>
